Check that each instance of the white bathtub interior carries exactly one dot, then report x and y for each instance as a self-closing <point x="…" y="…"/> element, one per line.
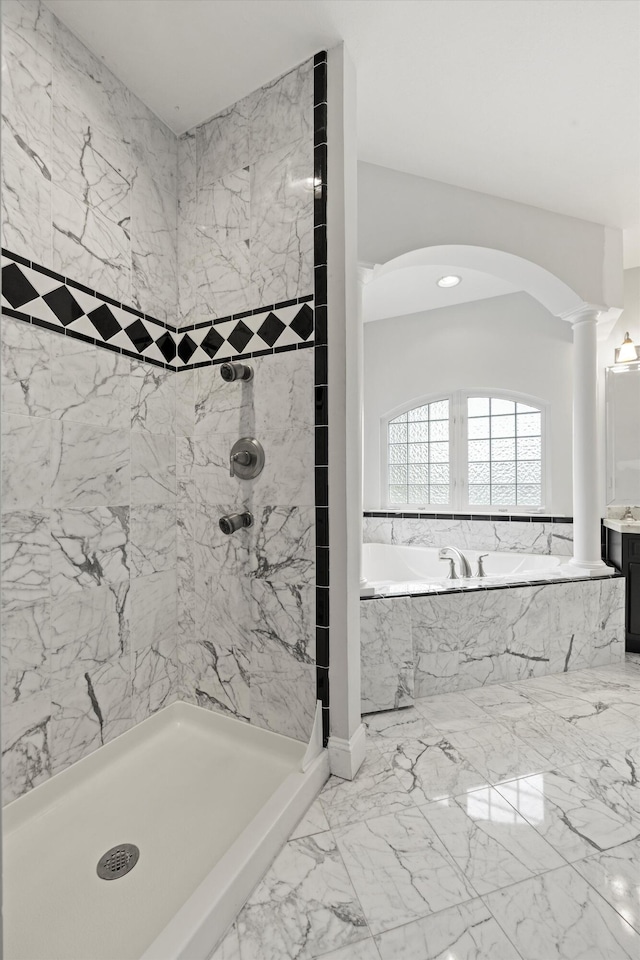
<point x="207" y="799"/>
<point x="390" y="563"/>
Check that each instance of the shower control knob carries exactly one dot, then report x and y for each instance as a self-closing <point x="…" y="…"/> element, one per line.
<point x="235" y="521"/>
<point x="236" y="371"/>
<point x="246" y="458"/>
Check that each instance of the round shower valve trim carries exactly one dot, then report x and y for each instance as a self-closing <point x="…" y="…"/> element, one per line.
<point x="246" y="459"/>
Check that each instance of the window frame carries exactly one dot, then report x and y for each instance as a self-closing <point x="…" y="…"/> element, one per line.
<point x="458" y="459"/>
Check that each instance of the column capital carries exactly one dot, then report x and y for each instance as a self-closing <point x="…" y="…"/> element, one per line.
<point x="585" y="313"/>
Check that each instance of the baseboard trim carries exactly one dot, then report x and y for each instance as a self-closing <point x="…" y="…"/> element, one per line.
<point x="346" y="756"/>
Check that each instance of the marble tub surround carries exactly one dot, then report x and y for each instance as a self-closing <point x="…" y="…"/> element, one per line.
<point x="548" y="535"/>
<point x="446" y="642"/>
<point x="89" y="556"/>
<point x="539" y="864"/>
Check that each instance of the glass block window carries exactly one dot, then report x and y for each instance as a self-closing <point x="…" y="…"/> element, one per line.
<point x="504" y="451"/>
<point x="418" y="455"/>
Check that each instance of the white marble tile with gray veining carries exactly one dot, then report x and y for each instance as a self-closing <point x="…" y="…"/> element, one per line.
<point x="25" y="380"/>
<point x="497" y="753"/>
<point x="25" y="558"/>
<point x="26" y="744"/>
<point x="614" y="874"/>
<point x="89" y="711"/>
<point x="282" y="223"/>
<point x="400" y="869"/>
<point x="88" y="630"/>
<point x="281" y="112"/>
<point x="154" y="257"/>
<point x="374" y="790"/>
<point x="283" y="545"/>
<point x="185" y="403"/>
<point x="464" y="932"/>
<point x="304" y="907"/>
<point x="431" y="768"/>
<point x="90" y="465"/>
<point x="154" y="677"/>
<point x="90" y="548"/>
<point x="25" y="651"/>
<point x="223" y="276"/>
<point x="283" y="692"/>
<point x="87" y="244"/>
<point x="153" y="468"/>
<point x="222" y="143"/>
<point x="221" y="407"/>
<point x="558" y="915"/>
<point x="153" y="538"/>
<point x="89" y="385"/>
<point x="91" y="164"/>
<point x="386" y="654"/>
<point x="153" y="146"/>
<point x="153" y="398"/>
<point x="26" y="463"/>
<point x="223" y="207"/>
<point x="314" y="821"/>
<point x="388" y="730"/>
<point x="489" y="841"/>
<point x="153" y="609"/>
<point x="451" y="712"/>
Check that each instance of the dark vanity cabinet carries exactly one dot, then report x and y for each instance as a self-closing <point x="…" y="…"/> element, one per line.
<point x="623" y="551"/>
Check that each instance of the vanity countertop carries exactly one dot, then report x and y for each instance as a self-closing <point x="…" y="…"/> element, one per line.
<point x="623" y="526"/>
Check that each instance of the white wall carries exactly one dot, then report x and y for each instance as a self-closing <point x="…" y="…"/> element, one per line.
<point x="398" y="212"/>
<point x="507" y="343"/>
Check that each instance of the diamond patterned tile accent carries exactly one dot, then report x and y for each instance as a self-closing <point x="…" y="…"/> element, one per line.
<point x="240" y="336"/>
<point x="64" y="305"/>
<point x="212" y="343"/>
<point x="271" y="329"/>
<point x="36" y="294"/>
<point x="167" y="346"/>
<point x="15" y="286"/>
<point x="139" y="336"/>
<point x="302" y="323"/>
<point x="186" y="348"/>
<point x="104" y="322"/>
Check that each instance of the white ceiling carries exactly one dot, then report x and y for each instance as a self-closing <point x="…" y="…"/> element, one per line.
<point x="415" y="290"/>
<point x="534" y="100"/>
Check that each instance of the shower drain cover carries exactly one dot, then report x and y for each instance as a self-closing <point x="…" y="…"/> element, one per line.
<point x="116" y="862"/>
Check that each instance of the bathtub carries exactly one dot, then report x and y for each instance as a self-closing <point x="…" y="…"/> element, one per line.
<point x="209" y="801"/>
<point x="384" y="564"/>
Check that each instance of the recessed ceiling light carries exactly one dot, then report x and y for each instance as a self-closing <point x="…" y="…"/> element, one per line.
<point x="451" y="281"/>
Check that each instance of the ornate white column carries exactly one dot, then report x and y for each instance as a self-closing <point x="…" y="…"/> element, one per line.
<point x="586" y="507"/>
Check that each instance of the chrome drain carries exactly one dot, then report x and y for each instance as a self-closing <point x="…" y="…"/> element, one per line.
<point x="118" y="861"/>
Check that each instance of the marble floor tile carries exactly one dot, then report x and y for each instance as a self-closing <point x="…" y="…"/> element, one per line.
<point x="616" y="876"/>
<point x="432" y="769"/>
<point x="489" y="841"/>
<point x="464" y="932"/>
<point x="572" y="811"/>
<point x="305" y="907"/>
<point x="400" y="869"/>
<point x="451" y="712"/>
<point x="496" y="753"/>
<point x="314" y="821"/>
<point x="386" y="730"/>
<point x="558" y="916"/>
<point x="363" y="950"/>
<point x="375" y="790"/>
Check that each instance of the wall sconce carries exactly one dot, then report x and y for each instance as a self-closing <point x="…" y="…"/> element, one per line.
<point x="628" y="352"/>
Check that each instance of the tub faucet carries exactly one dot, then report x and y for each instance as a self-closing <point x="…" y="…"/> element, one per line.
<point x="448" y="553"/>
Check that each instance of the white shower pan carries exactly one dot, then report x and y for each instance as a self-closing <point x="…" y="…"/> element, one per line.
<point x="207" y="799"/>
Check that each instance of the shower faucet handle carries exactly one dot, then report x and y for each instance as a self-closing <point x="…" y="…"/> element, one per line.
<point x="242" y="457"/>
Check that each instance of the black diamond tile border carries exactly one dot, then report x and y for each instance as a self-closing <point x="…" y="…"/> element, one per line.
<point x="35" y="294"/>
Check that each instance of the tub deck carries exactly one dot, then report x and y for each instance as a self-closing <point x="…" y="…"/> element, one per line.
<point x="182" y="786"/>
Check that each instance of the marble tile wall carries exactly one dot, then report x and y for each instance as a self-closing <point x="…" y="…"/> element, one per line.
<point x="521" y="537"/>
<point x="89" y="559"/>
<point x="246" y="602"/>
<point x="425" y="645"/>
<point x="245" y="195"/>
<point x="89" y="173"/>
